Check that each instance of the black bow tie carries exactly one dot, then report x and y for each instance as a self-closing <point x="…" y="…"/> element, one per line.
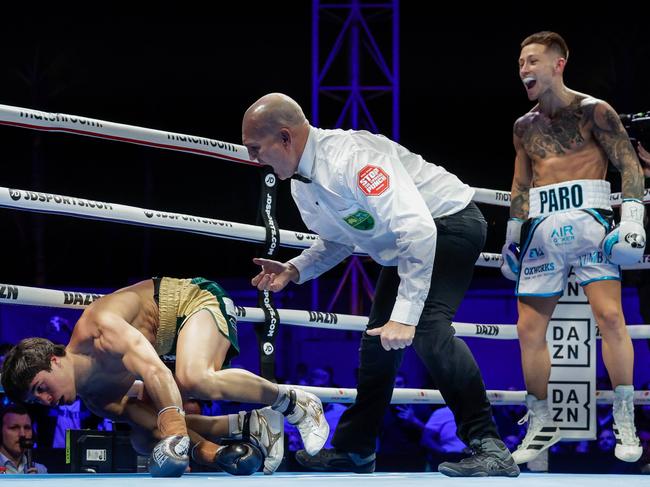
<point x="300" y="178"/>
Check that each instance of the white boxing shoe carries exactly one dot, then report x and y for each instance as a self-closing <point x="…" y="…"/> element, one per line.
<point x="542" y="432"/>
<point x="266" y="430"/>
<point x="305" y="411"/>
<point x="628" y="447"/>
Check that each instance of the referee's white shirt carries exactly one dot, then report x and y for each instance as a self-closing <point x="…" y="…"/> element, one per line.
<point x="370" y="192"/>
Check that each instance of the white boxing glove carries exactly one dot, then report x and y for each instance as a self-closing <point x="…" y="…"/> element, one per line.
<point x="511" y="249"/>
<point x="624" y="245"/>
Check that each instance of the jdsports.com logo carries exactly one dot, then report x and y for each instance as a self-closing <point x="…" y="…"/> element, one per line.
<point x="49" y="199"/>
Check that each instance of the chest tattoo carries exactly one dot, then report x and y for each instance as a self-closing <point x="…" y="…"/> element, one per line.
<point x="545" y="137"/>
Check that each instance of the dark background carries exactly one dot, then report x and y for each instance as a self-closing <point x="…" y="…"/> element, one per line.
<point x="195" y="69"/>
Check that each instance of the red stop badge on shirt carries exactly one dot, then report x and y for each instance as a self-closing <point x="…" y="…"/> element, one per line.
<point x="372" y="180"/>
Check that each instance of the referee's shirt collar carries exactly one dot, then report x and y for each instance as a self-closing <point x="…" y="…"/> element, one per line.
<point x="306" y="164"/>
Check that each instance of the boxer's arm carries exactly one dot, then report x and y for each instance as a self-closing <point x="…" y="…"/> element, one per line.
<point x="116" y="336"/>
<point x="522" y="177"/>
<point x="624" y="244"/>
<point x="612" y="137"/>
<point x="129" y="410"/>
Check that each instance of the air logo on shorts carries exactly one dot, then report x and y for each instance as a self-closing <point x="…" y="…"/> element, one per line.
<point x="373" y="180"/>
<point x="559" y="199"/>
<point x="563" y="235"/>
<point x="361" y="220"/>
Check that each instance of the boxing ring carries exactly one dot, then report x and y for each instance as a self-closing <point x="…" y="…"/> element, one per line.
<point x="41" y="202"/>
<point x="304" y="479"/>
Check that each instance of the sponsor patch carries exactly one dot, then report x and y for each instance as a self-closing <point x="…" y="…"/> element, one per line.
<point x="531" y="271"/>
<point x="563" y="235"/>
<point x="361" y="220"/>
<point x="373" y="181"/>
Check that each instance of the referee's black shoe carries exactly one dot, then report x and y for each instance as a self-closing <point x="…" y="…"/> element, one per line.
<point x="331" y="460"/>
<point x="490" y="458"/>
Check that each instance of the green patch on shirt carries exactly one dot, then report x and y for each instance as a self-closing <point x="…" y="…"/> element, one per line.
<point x="361" y="220"/>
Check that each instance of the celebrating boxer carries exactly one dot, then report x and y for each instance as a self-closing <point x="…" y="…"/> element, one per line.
<point x="561" y="219"/>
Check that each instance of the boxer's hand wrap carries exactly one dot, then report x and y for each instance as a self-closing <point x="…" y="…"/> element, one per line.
<point x="171" y="421"/>
<point x="169" y="457"/>
<point x="511" y="249"/>
<point x="625" y="243"/>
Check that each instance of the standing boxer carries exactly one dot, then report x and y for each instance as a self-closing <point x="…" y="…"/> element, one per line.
<point x="562" y="148"/>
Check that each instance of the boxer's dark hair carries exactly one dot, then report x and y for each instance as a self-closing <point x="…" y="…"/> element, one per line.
<point x="24" y="361"/>
<point x="551" y="40"/>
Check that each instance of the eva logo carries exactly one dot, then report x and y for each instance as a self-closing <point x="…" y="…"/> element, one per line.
<point x="373" y="181"/>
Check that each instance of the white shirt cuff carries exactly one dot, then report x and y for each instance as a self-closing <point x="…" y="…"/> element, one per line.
<point x="406" y="312"/>
<point x="301" y="263"/>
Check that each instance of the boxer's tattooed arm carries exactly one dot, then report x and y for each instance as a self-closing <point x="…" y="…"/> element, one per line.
<point x="522" y="178"/>
<point x="520" y="202"/>
<point x="612" y="137"/>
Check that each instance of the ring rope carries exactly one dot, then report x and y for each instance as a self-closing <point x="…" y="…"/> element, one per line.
<point x="74" y="124"/>
<point x="96" y="210"/>
<point x="431" y="396"/>
<point x="54" y="122"/>
<point x="34" y="296"/>
<point x="23" y="295"/>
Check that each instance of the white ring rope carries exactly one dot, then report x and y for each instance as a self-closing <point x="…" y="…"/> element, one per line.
<point x="430" y="396"/>
<point x="74" y="124"/>
<point x="34" y="296"/>
<point x="83" y="208"/>
<point x="96" y="210"/>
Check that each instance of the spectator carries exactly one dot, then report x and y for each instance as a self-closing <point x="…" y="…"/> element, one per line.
<point x="644" y="463"/>
<point x="17" y="425"/>
<point x="606" y="440"/>
<point x="401" y="436"/>
<point x="4" y="348"/>
<point x="301" y="375"/>
<point x="512" y="441"/>
<point x="324" y="377"/>
<point x="507" y="418"/>
<point x="439" y="434"/>
<point x="66" y="417"/>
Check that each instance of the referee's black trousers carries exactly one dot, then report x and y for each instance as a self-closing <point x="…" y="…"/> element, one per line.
<point x="450" y="363"/>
